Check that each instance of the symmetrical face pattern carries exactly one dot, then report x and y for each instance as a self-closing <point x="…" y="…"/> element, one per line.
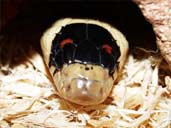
<point x="85" y="44"/>
<point x="82" y="61"/>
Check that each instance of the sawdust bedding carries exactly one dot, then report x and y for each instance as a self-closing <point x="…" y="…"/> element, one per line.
<point x="140" y="99"/>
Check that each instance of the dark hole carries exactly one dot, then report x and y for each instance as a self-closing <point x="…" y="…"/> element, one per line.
<point x="23" y="32"/>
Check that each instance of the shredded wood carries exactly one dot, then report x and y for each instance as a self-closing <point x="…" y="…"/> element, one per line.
<point x="140" y="99"/>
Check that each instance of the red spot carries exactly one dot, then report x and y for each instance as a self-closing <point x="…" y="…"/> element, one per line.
<point x="107" y="48"/>
<point x="66" y="41"/>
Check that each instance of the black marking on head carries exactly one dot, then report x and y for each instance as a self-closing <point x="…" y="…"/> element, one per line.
<point x="86" y="44"/>
<point x="87" y="68"/>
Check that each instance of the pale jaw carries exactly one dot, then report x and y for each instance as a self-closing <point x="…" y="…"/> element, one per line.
<point x="83" y="84"/>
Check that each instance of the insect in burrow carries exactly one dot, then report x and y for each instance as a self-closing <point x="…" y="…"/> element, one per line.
<point x="84" y="58"/>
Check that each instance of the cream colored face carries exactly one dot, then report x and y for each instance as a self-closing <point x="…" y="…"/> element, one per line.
<point x="83" y="84"/>
<point x="80" y="83"/>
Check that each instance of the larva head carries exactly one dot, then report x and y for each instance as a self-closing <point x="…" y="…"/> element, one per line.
<point x="84" y="59"/>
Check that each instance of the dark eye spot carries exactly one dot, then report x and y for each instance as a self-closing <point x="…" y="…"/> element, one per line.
<point x="107" y="48"/>
<point x="66" y="41"/>
<point x="87" y="68"/>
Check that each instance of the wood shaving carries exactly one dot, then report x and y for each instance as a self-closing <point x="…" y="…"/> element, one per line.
<point x="27" y="99"/>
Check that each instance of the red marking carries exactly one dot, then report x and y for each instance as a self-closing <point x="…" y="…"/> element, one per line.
<point x="66" y="41"/>
<point x="107" y="48"/>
